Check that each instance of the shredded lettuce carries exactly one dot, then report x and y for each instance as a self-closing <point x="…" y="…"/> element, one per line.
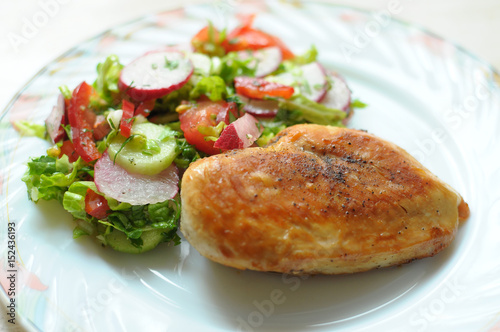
<point x="186" y="153"/>
<point x="213" y="87"/>
<point x="106" y="84"/>
<point x="132" y="220"/>
<point x="271" y="129"/>
<point x="309" y="56"/>
<point x="232" y="65"/>
<point x="66" y="92"/>
<point x="48" y="177"/>
<point x="302" y="109"/>
<point x="138" y="219"/>
<point x="356" y="103"/>
<point x="27" y="128"/>
<point x="299" y="60"/>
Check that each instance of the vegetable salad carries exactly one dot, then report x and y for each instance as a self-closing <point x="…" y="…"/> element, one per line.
<point x="120" y="144"/>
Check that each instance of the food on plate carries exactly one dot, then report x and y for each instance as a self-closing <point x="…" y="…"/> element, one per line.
<point x="317" y="199"/>
<point x="121" y="144"/>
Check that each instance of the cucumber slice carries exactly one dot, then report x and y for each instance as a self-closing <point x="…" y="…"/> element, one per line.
<point x="149" y="152"/>
<point x="119" y="242"/>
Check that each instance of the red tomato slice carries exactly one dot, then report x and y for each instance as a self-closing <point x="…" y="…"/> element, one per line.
<point x="245" y="37"/>
<point x="205" y="113"/>
<point x="68" y="149"/>
<point x="96" y="205"/>
<point x="81" y="130"/>
<point x="259" y="88"/>
<point x="101" y="128"/>
<point x="127" y="118"/>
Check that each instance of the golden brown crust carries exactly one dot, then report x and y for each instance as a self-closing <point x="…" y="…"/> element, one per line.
<point x="317" y="200"/>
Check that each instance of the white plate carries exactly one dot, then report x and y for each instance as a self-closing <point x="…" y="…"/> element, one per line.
<point x="425" y="94"/>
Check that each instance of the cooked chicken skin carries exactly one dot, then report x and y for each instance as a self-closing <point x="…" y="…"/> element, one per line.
<point x="317" y="200"/>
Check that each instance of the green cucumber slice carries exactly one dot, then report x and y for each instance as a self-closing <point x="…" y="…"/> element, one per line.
<point x="150" y="151"/>
<point x="119" y="242"/>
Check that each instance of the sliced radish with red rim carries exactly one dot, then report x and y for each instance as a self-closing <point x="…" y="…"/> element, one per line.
<point x="266" y="108"/>
<point x="266" y="60"/>
<point x="314" y="84"/>
<point x="339" y="95"/>
<point x="311" y="79"/>
<point x="136" y="189"/>
<point x="155" y="74"/>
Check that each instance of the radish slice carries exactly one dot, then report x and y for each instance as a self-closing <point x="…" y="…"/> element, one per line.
<point x="311" y="79"/>
<point x="155" y="74"/>
<point x="260" y="108"/>
<point x="339" y="96"/>
<point x="201" y="62"/>
<point x="136" y="189"/>
<point x="314" y="83"/>
<point x="55" y="119"/>
<point x="267" y="60"/>
<point x="240" y="134"/>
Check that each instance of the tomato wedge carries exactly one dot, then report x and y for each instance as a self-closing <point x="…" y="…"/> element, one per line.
<point x="101" y="128"/>
<point x="259" y="88"/>
<point x="68" y="149"/>
<point x="205" y="114"/>
<point x="96" y="205"/>
<point x="127" y="118"/>
<point x="81" y="129"/>
<point x="245" y="37"/>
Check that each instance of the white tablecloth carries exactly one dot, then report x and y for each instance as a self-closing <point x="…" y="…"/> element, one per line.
<point x="34" y="32"/>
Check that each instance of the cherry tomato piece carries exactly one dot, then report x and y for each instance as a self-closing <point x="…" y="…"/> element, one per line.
<point x="206" y="114"/>
<point x="96" y="205"/>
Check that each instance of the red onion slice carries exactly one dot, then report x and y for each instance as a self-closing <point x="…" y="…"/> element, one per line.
<point x="55" y="119"/>
<point x="240" y="134"/>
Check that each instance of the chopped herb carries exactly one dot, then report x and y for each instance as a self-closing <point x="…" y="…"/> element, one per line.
<point x="122" y="146"/>
<point x="171" y="64"/>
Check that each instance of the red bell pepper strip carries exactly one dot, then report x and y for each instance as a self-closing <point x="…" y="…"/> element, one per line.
<point x="259" y="88"/>
<point x="145" y="107"/>
<point x="127" y="118"/>
<point x="81" y="130"/>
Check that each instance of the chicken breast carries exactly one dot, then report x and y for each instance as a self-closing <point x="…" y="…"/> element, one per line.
<point x="317" y="200"/>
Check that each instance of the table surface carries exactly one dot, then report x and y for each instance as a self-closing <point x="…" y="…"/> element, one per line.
<point x="471" y="24"/>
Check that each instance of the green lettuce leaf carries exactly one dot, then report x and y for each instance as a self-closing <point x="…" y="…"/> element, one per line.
<point x="299" y="109"/>
<point x="138" y="219"/>
<point x="48" y="177"/>
<point x="213" y="87"/>
<point x="106" y="84"/>
<point x="232" y="66"/>
<point x="27" y="128"/>
<point x="74" y="200"/>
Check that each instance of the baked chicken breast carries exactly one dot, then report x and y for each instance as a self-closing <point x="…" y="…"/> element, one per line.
<point x="317" y="199"/>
